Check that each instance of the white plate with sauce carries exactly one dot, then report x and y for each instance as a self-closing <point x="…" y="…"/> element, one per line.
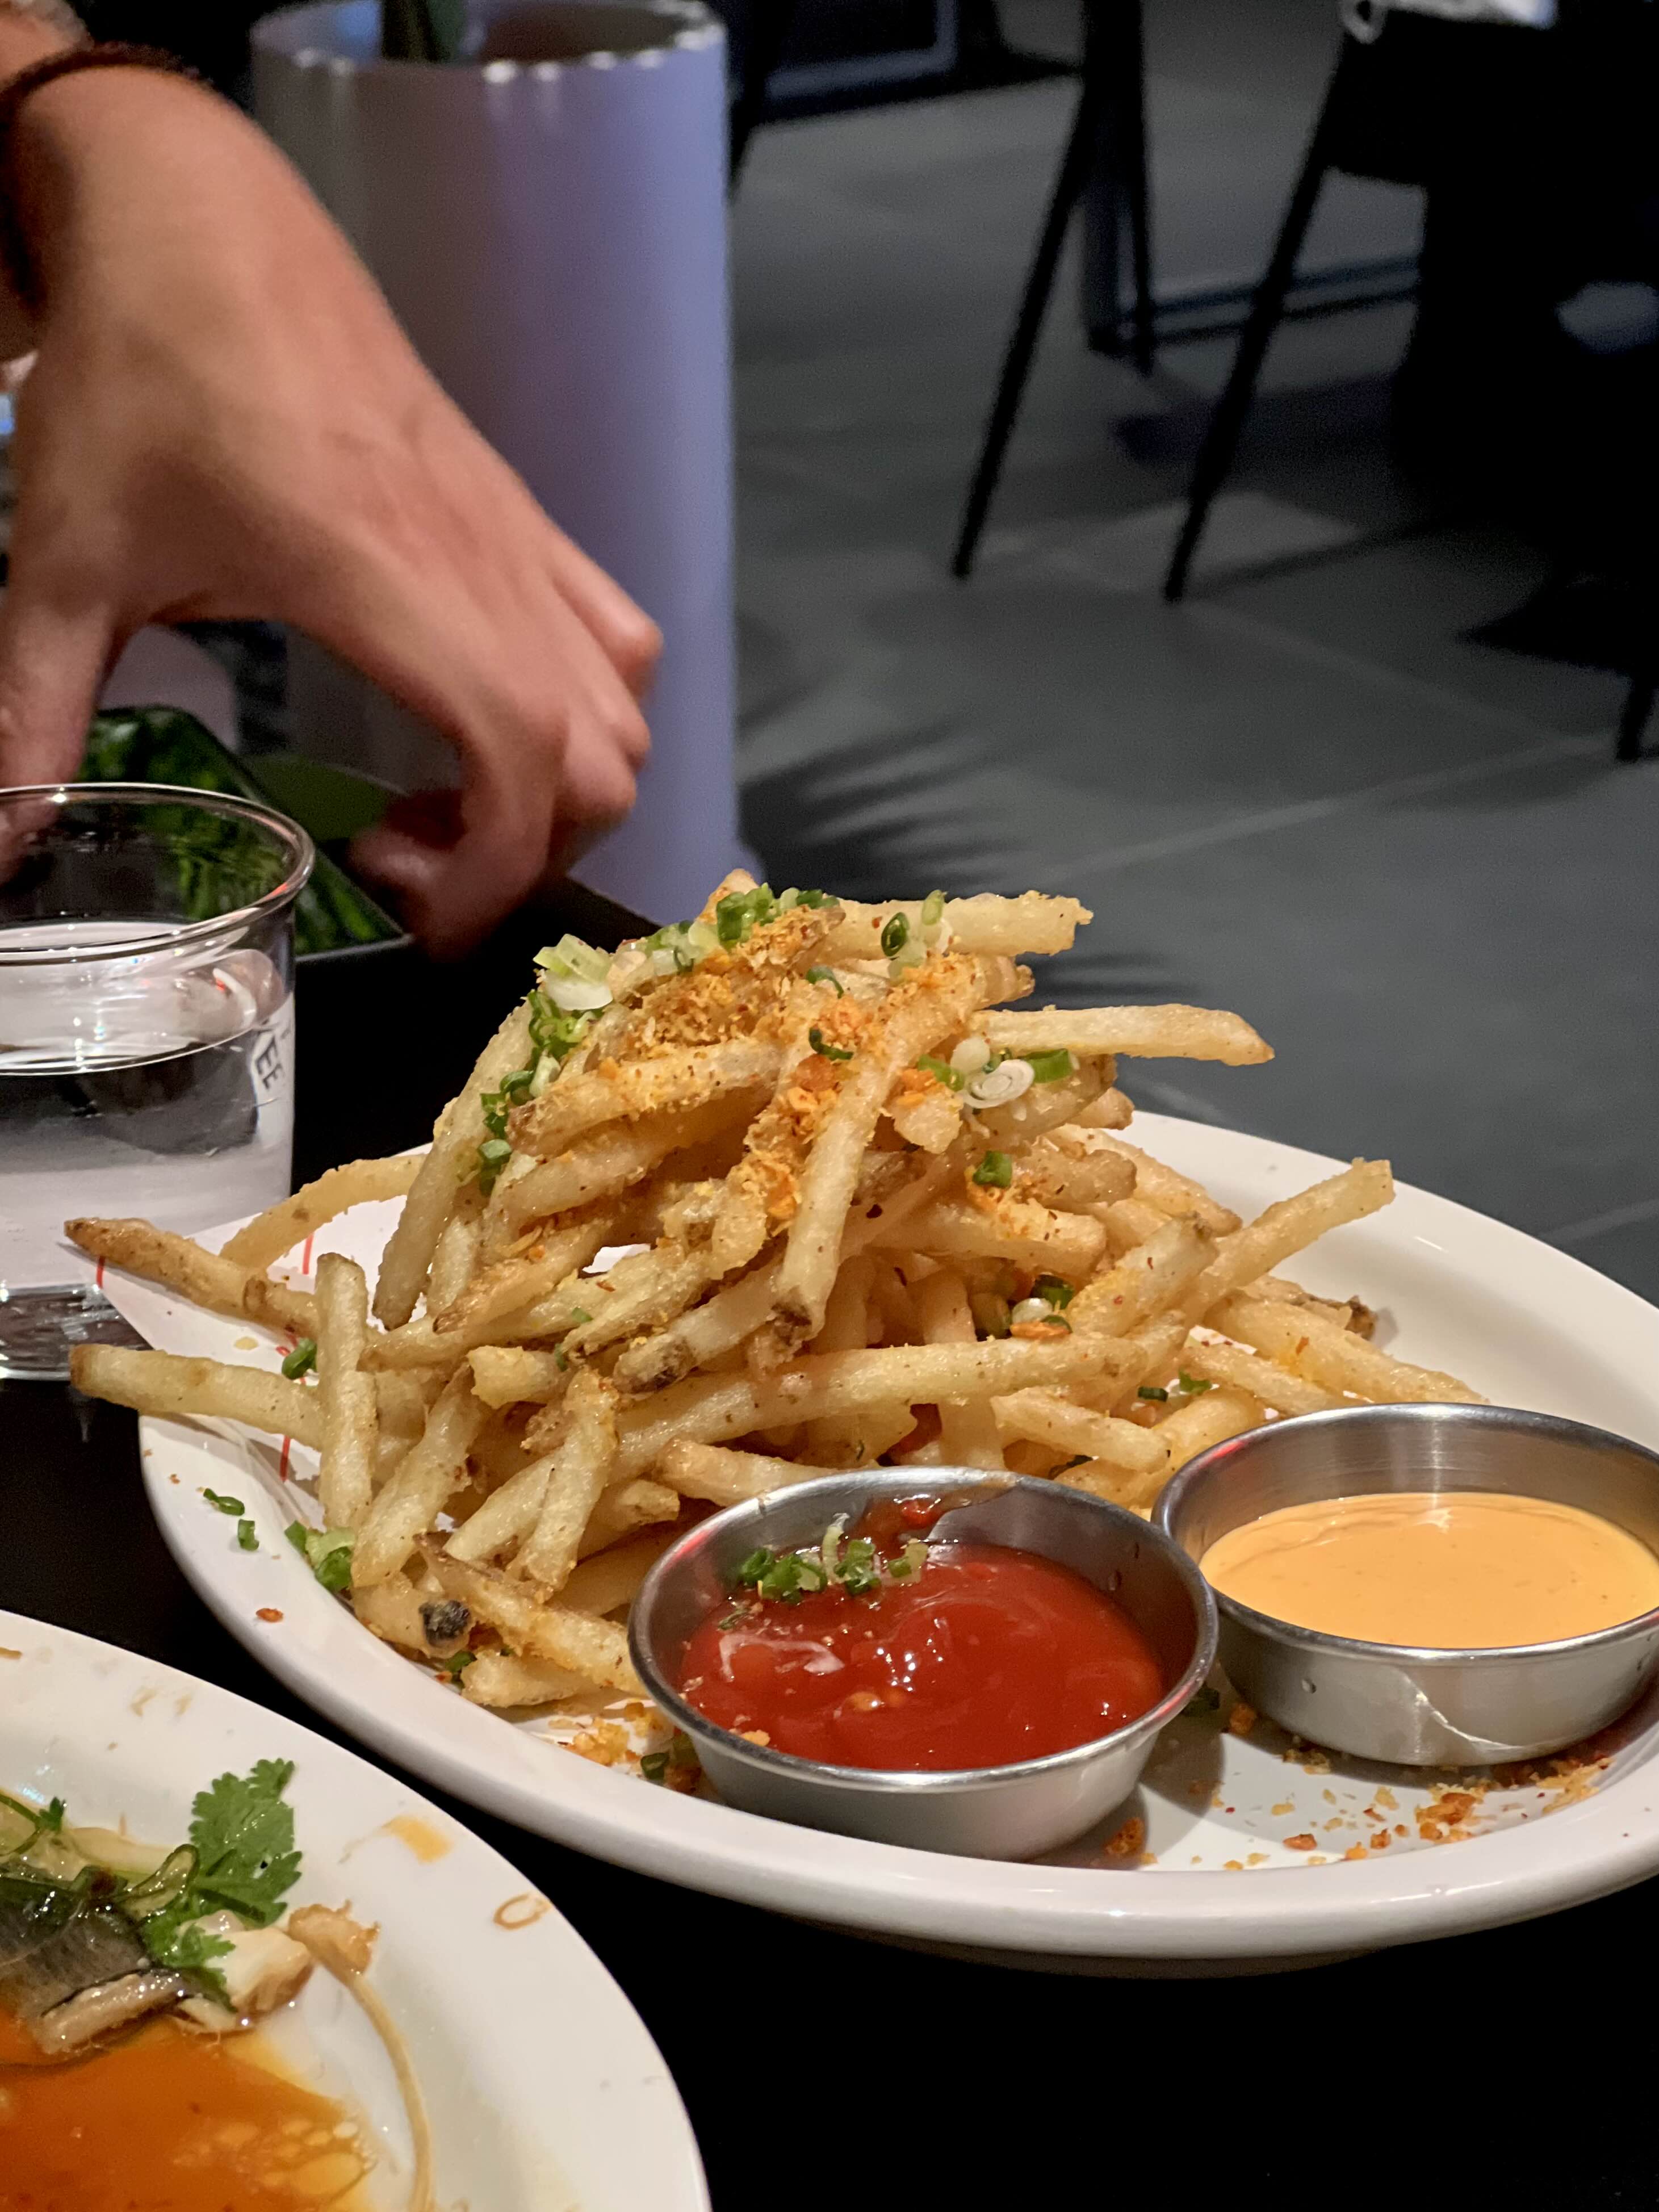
<point x="1248" y="1852"/>
<point x="544" y="2091"/>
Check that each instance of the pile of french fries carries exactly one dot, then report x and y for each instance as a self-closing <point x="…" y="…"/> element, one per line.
<point x="865" y="1214"/>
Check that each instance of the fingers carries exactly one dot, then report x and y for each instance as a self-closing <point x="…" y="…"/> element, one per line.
<point x="547" y="733"/>
<point x="628" y="636"/>
<point x="52" y="659"/>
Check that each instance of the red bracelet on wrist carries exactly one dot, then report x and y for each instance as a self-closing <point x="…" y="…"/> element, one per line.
<point x="16" y="261"/>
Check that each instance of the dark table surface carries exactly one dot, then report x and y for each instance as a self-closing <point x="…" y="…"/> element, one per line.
<point x="1516" y="2065"/>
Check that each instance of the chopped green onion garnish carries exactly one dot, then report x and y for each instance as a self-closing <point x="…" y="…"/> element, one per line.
<point x="1159" y="1397"/>
<point x="578" y="1316"/>
<point x="302" y="1358"/>
<point x="220" y="1503"/>
<point x="826" y="975"/>
<point x="815" y="1037"/>
<point x="942" y="1068"/>
<point x="1192" y="1386"/>
<point x="895" y="935"/>
<point x="327" y="1551"/>
<point x="750" y="1571"/>
<point x="247" y="1535"/>
<point x="995" y="1172"/>
<point x="457" y="1662"/>
<point x="1052" y="1292"/>
<point x="561" y="1357"/>
<point x="654" y="1764"/>
<point x="1050" y="1066"/>
<point x="932" y="910"/>
<point x="738" y="911"/>
<point x="495" y="1151"/>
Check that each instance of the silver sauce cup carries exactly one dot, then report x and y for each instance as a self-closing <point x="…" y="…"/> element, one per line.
<point x="993" y="1811"/>
<point x="1412" y="1705"/>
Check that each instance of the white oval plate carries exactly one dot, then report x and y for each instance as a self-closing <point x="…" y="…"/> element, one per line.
<point x="1523" y="1323"/>
<point x="544" y="2092"/>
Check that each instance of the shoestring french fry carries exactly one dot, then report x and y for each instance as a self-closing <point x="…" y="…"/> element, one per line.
<point x="265" y="1240"/>
<point x="411" y="1501"/>
<point x="1275" y="1385"/>
<point x="1045" y="1417"/>
<point x="853" y="1206"/>
<point x="175" y="1389"/>
<point x="968" y="1427"/>
<point x="431" y="1196"/>
<point x="1312" y="1346"/>
<point x="1170" y="1192"/>
<point x="200" y="1277"/>
<point x="1146" y="1279"/>
<point x="350" y="1410"/>
<point x="576" y="1478"/>
<point x="1030" y="923"/>
<point x="609" y="1578"/>
<point x="1134" y="1032"/>
<point x="725" y="1477"/>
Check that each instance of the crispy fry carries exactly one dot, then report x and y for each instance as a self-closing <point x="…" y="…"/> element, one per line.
<point x="985" y="923"/>
<point x="536" y="1625"/>
<point x="1334" y="1358"/>
<point x="643" y="1291"/>
<point x="1047" y="1418"/>
<point x="411" y="1501"/>
<point x="603" y="1164"/>
<point x="205" y="1278"/>
<point x="1144" y="1281"/>
<point x="1001" y="1224"/>
<point x="575" y="1479"/>
<point x="1111" y="1110"/>
<point x="915" y="1017"/>
<point x="967" y="1427"/>
<point x="1289" y="1227"/>
<point x="613" y="1092"/>
<point x="1133" y="1032"/>
<point x="707" y="1409"/>
<point x="1193" y="1428"/>
<point x="1069" y="1169"/>
<point x="190" y="1389"/>
<point x="703" y="1334"/>
<point x="610" y="1578"/>
<point x="431" y="1196"/>
<point x="349" y="1408"/>
<point x="506" y="1516"/>
<point x="727" y="1478"/>
<point x="511" y="1374"/>
<point x="455" y="1258"/>
<point x="1277" y="1386"/>
<point x="509" y="1285"/>
<point x="1044" y="1107"/>
<point x="624" y="1508"/>
<point x="1170" y="1192"/>
<point x="391" y="1611"/>
<point x="498" y="1679"/>
<point x="265" y="1239"/>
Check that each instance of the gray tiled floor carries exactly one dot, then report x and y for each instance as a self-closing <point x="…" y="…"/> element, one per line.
<point x="1305" y="794"/>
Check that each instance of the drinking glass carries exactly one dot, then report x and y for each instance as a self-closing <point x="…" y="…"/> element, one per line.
<point x="146" y="1032"/>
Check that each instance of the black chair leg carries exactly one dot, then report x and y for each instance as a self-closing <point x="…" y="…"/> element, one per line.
<point x="1074" y="168"/>
<point x="1215" y="455"/>
<point x="1633" y="717"/>
<point x="770" y="25"/>
<point x="1131" y="140"/>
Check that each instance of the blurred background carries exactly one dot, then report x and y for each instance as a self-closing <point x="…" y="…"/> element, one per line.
<point x="1361" y="778"/>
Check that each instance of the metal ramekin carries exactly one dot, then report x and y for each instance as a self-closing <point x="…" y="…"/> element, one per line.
<point x="992" y="1812"/>
<point x="1412" y="1705"/>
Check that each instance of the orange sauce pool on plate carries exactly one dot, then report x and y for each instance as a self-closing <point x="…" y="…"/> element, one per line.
<point x="1450" y="1568"/>
<point x="168" y="2121"/>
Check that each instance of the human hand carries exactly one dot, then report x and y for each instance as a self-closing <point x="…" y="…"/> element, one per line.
<point x="223" y="420"/>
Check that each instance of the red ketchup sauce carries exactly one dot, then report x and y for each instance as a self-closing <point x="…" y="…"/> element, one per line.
<point x="985" y="1656"/>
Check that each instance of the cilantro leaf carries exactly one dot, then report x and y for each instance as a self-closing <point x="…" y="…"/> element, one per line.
<point x="176" y="1938"/>
<point x="244" y="1838"/>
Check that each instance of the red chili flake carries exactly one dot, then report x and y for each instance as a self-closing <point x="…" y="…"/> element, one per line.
<point x="267" y="1612"/>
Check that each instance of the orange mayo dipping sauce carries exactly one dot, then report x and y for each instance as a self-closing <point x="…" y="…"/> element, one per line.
<point x="1458" y="1569"/>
